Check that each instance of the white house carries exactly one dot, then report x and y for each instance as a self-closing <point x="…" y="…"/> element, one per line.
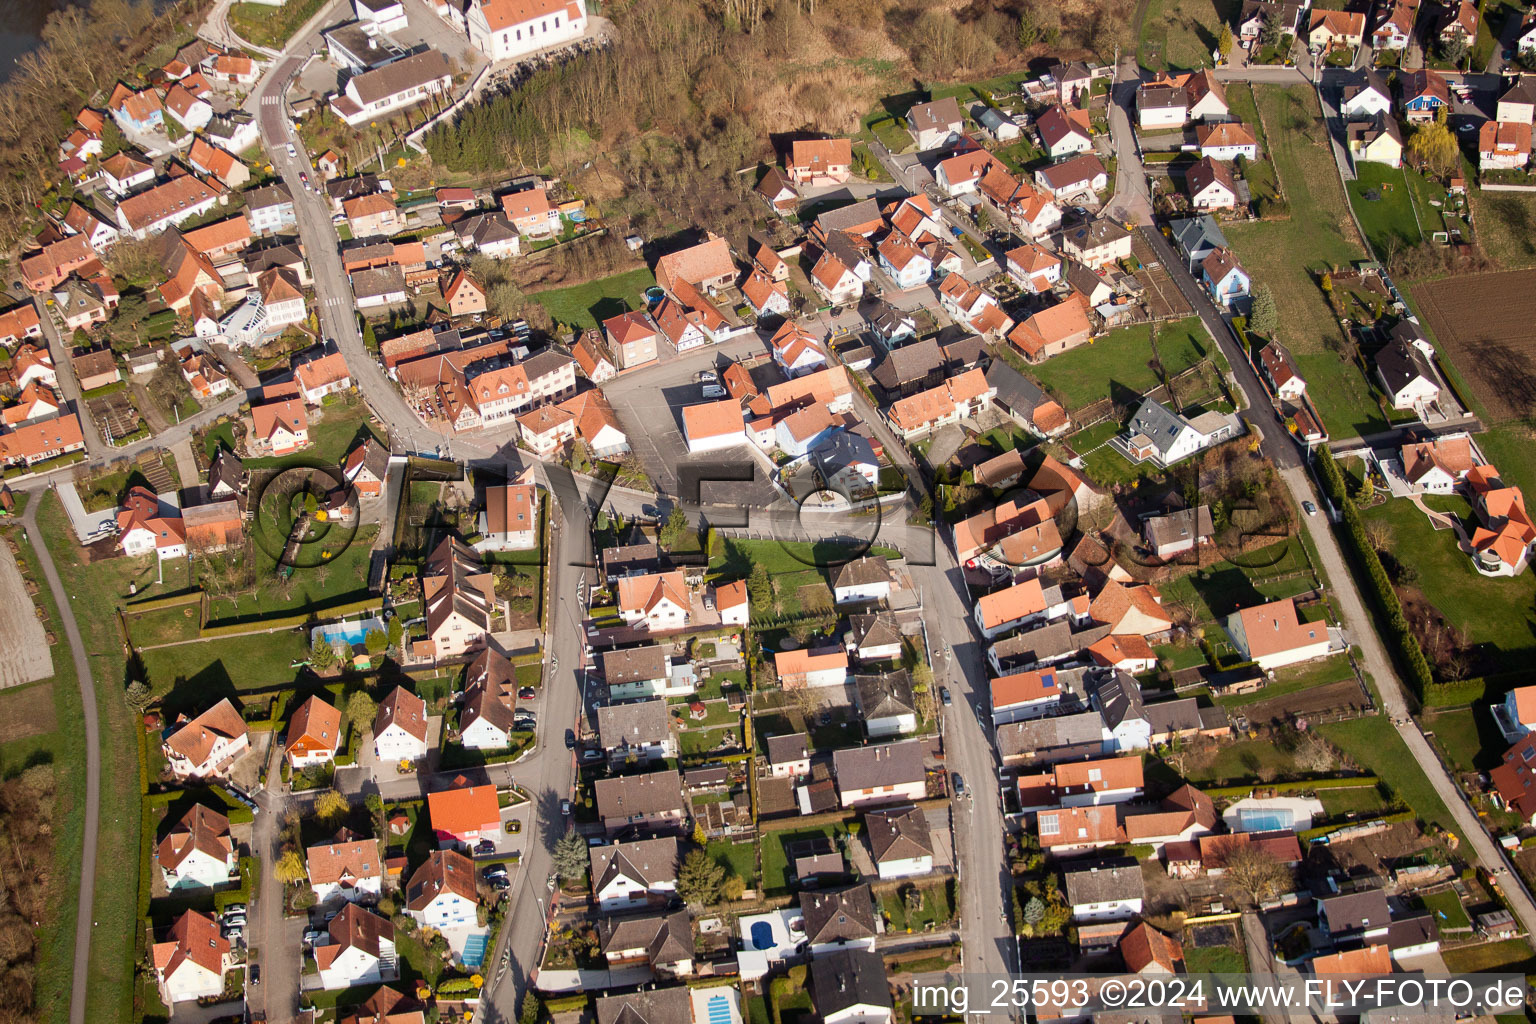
<point x="801" y="668"/>
<point x="1160" y="435"/>
<point x="849" y="986"/>
<point x="205" y="746"/>
<point x="731" y="603"/>
<point x="1520" y="710"/>
<point x="656" y="601"/>
<point x="713" y="426"/>
<point x="1272" y="636"/>
<point x="380" y="15"/>
<point x="146" y="524"/>
<point x="1118" y="702"/>
<point x="191" y="963"/>
<point x="361" y="950"/>
<point x="351" y="870"/>
<point x="901" y="842"/>
<point x="643" y="672"/>
<point x="888" y="773"/>
<point x="504" y="29"/>
<point x="314" y="734"/>
<point x="375" y="95"/>
<point x="400" y="727"/>
<point x="874" y="637"/>
<point x="886" y="703"/>
<point x="1365" y="97"/>
<point x="1227" y="140"/>
<point x="198" y="852"/>
<point x="629" y="876"/>
<point x="1105" y="893"/>
<point x="900" y="257"/>
<point x="441" y="893"/>
<point x="863" y="579"/>
<point x="1008" y="609"/>
<point x="1160" y="105"/>
<point x="1405" y="372"/>
<point x="639" y="731"/>
<point x="796" y="351"/>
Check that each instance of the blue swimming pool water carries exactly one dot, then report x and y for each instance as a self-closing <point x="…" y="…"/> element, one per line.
<point x="474" y="951"/>
<point x="350" y="633"/>
<point x="718" y="1010"/>
<point x="762" y="935"/>
<point x="1265" y="820"/>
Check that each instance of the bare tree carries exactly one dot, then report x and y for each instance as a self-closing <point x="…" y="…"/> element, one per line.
<point x="1256" y="872"/>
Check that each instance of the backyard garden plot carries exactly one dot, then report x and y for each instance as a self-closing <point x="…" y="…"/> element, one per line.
<point x="1483" y="324"/>
<point x="1180" y="34"/>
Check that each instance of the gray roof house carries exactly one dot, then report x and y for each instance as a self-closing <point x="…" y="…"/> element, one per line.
<point x="839" y="917"/>
<point x="886" y="703"/>
<point x="1355" y="915"/>
<point x="1105" y="892"/>
<point x="850" y="984"/>
<point x="1197" y="237"/>
<point x="638" y="730"/>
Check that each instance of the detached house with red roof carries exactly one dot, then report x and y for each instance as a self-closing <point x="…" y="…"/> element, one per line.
<point x="135" y="111"/>
<point x="163" y="206"/>
<point x="956" y="399"/>
<point x="1503" y="538"/>
<point x="361" y="950"/>
<point x="1052" y="330"/>
<point x="1109" y="780"/>
<point x="1515" y="779"/>
<point x="349" y="870"/>
<point x="1272" y="636"/>
<point x="1033" y="267"/>
<point x="799" y="669"/>
<point x="1010" y="608"/>
<point x="191" y="963"/>
<point x="197" y="852"/>
<point x="314" y="733"/>
<point x="462" y="815"/>
<point x="504" y="29"/>
<point x="796" y="350"/>
<point x="531" y="213"/>
<point x="278" y="428"/>
<point x="205" y="747"/>
<point x="327" y="375"/>
<point x="817" y="162"/>
<point x="146" y="524"/>
<point x="655" y="601"/>
<point x="400" y="727"/>
<point x="633" y="337"/>
<point x="1070" y="830"/>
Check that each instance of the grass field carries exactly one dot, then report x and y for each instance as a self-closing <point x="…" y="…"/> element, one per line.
<point x="1506" y="226"/>
<point x="937" y="909"/>
<point x="1447" y="908"/>
<point x="1242" y="761"/>
<point x="1214" y="959"/>
<point x="739" y="859"/>
<point x="776" y="878"/>
<point x="1376" y="747"/>
<point x="1215" y="592"/>
<point x="343" y="578"/>
<point x="1338" y="802"/>
<point x="1512" y="956"/>
<point x="1116" y="365"/>
<point x="1495" y="614"/>
<point x="1389" y="218"/>
<point x="266" y="25"/>
<point x="117" y="939"/>
<point x="1288" y="254"/>
<point x="1293" y="680"/>
<point x="1180" y="34"/>
<point x="587" y="305"/>
<point x="1468" y="737"/>
<point x="200" y="671"/>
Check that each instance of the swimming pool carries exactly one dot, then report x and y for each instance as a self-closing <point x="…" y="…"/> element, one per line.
<point x="762" y="935"/>
<point x="349" y="633"/>
<point x="1266" y="819"/>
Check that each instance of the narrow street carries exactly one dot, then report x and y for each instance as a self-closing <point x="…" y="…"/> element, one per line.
<point x="60" y="347"/>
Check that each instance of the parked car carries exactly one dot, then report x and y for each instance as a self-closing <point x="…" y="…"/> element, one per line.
<point x="959" y="785"/>
<point x="713" y="391"/>
<point x="591" y="755"/>
<point x="233" y="920"/>
<point x="495" y="871"/>
<point x="254" y="974"/>
<point x="1309" y="508"/>
<point x="234" y="908"/>
<point x="944" y="697"/>
<point x="485" y="846"/>
<point x="570" y="739"/>
<point x="565" y="808"/>
<point x="527" y="693"/>
<point x="291" y="151"/>
<point x="708" y="377"/>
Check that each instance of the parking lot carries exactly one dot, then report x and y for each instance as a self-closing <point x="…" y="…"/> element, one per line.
<point x="655" y="425"/>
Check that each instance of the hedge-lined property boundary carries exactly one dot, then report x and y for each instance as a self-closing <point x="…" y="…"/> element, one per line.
<point x="1410" y="654"/>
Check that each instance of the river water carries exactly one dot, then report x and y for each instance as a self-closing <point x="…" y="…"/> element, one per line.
<point x="21" y="24"/>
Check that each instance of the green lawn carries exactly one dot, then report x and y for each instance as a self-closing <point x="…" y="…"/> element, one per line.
<point x="787" y="556"/>
<point x="1376" y="747"/>
<point x="1243" y="761"/>
<point x="1468" y="737"/>
<point x="1214" y="959"/>
<point x="1339" y="802"/>
<point x="1511" y="956"/>
<point x="1288" y="254"/>
<point x="1388" y="219"/>
<point x="1180" y="34"/>
<point x="937" y="909"/>
<point x="224" y="666"/>
<point x="1217" y="591"/>
<point x="1114" y="365"/>
<point x="739" y="859"/>
<point x="1494" y="613"/>
<point x="776" y="877"/>
<point x="1294" y="679"/>
<point x="1447" y="908"/>
<point x="270" y="26"/>
<point x="340" y="579"/>
<point x="587" y="305"/>
<point x="117" y="939"/>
